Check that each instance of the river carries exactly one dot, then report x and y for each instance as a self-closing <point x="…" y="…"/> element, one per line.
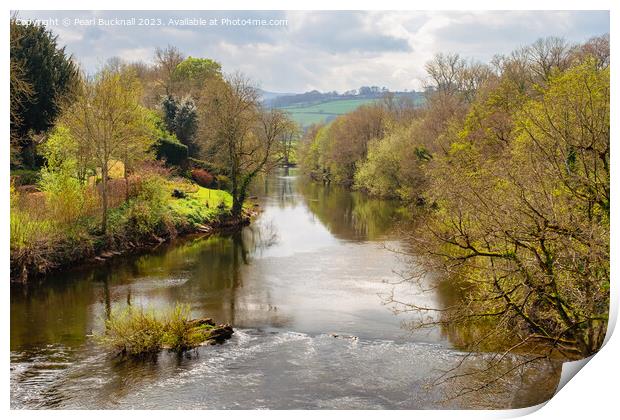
<point x="306" y="288"/>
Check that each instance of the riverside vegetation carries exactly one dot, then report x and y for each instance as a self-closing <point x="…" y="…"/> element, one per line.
<point x="128" y="157"/>
<point x="507" y="167"/>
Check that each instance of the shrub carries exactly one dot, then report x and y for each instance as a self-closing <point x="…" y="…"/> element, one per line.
<point x="147" y="209"/>
<point x="172" y="151"/>
<point x="223" y="183"/>
<point x="203" y="178"/>
<point x="67" y="199"/>
<point x="201" y="164"/>
<point x="25" y="177"/>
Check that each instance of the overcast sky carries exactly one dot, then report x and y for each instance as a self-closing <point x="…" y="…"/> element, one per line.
<point x="317" y="50"/>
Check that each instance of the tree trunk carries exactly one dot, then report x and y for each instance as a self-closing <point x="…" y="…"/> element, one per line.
<point x="239" y="196"/>
<point x="237" y="207"/>
<point x="104" y="197"/>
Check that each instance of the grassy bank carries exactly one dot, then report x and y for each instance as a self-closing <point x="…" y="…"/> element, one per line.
<point x="50" y="232"/>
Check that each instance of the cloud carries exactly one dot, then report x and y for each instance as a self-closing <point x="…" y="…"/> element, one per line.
<point x="338" y="32"/>
<point x="322" y="50"/>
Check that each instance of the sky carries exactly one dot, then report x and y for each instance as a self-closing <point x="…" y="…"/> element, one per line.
<point x="294" y="51"/>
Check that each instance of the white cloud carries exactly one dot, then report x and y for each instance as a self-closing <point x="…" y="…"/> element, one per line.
<point x="327" y="50"/>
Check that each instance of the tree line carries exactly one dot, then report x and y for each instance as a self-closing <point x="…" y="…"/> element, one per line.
<point x="183" y="110"/>
<point x="75" y="135"/>
<point x="508" y="162"/>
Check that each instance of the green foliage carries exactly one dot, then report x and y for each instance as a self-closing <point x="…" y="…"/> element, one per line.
<point x="523" y="213"/>
<point x="51" y="75"/>
<point x="25" y="176"/>
<point x="167" y="147"/>
<point x="514" y="166"/>
<point x="145" y="214"/>
<point x="201" y="164"/>
<point x="201" y="205"/>
<point x="394" y="166"/>
<point x="181" y="119"/>
<point x="172" y="151"/>
<point x="334" y="151"/>
<point x="67" y="198"/>
<point x="195" y="71"/>
<point x="148" y="209"/>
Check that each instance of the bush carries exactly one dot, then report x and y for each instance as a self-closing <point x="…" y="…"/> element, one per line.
<point x="172" y="151"/>
<point x="203" y="178"/>
<point x="25" y="177"/>
<point x="223" y="183"/>
<point x="67" y="199"/>
<point x="201" y="164"/>
<point x="147" y="210"/>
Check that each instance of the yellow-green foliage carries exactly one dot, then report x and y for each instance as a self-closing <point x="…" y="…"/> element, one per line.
<point x="333" y="151"/>
<point x="67" y="198"/>
<point x="154" y="209"/>
<point x="136" y="331"/>
<point x="523" y="198"/>
<point x="26" y="230"/>
<point x="133" y="331"/>
<point x="514" y="165"/>
<point x="394" y="165"/>
<point x="47" y="232"/>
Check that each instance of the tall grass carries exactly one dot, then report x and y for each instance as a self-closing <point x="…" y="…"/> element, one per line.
<point x="136" y="331"/>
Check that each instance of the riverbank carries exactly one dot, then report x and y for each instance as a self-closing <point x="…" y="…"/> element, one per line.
<point x="140" y="223"/>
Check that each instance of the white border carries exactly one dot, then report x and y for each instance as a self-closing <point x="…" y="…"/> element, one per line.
<point x="592" y="394"/>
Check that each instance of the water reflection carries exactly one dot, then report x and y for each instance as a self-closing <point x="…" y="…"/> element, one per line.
<point x="312" y="264"/>
<point x="351" y="215"/>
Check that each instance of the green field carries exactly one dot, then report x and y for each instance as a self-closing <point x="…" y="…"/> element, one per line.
<point x="308" y="114"/>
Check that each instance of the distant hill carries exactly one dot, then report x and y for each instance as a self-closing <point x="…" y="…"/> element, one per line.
<point x="314" y="113"/>
<point x="267" y="97"/>
<point x="315" y="107"/>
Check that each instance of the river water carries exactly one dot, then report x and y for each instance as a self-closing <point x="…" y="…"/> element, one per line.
<point x="306" y="288"/>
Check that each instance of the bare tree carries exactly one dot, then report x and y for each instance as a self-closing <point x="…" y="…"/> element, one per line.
<point x="167" y="60"/>
<point x="238" y="135"/>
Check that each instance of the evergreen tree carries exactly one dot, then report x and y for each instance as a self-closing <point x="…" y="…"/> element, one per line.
<point x="50" y="74"/>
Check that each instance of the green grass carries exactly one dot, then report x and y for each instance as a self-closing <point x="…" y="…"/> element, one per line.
<point x="200" y="205"/>
<point x="315" y="113"/>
